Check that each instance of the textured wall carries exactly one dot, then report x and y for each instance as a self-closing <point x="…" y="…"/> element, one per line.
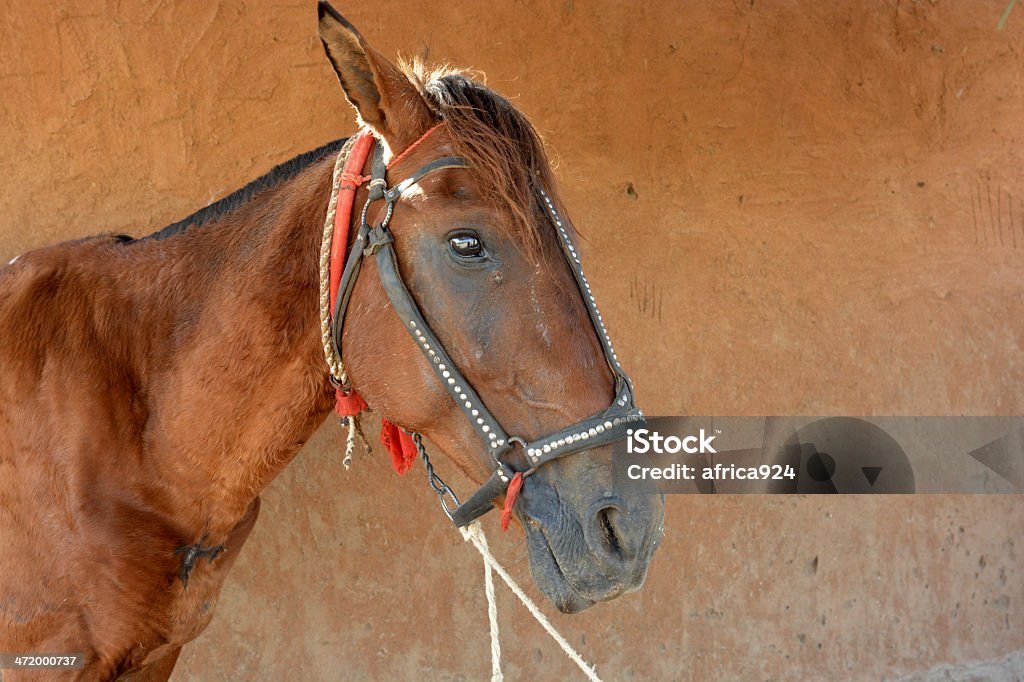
<point x="798" y="207"/>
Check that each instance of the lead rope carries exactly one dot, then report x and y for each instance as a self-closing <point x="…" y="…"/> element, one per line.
<point x="492" y="617"/>
<point x="474" y="533"/>
<point x="338" y="374"/>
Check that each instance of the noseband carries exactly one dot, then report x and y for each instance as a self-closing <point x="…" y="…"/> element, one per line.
<point x="377" y="241"/>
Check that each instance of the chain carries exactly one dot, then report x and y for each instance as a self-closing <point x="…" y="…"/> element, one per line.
<point x="436" y="482"/>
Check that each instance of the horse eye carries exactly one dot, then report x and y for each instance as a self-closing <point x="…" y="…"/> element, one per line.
<point x="466" y="245"/>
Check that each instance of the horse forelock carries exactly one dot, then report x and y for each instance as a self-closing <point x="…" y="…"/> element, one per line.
<point x="503" y="149"/>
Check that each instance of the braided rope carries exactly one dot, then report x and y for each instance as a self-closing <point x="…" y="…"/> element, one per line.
<point x="492" y="620"/>
<point x="355" y="433"/>
<point x="474" y="533"/>
<point x="330" y="354"/>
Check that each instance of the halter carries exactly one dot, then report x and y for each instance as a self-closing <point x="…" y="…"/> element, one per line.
<point x="377" y="241"/>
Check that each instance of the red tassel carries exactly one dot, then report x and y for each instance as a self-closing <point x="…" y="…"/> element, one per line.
<point x="511" y="495"/>
<point x="348" y="404"/>
<point x="409" y="452"/>
<point x="399" y="445"/>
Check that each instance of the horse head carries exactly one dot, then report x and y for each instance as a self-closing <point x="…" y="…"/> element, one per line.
<point x="475" y="243"/>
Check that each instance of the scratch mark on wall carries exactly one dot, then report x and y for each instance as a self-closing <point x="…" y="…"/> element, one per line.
<point x="996" y="222"/>
<point x="1013" y="227"/>
<point x="991" y="211"/>
<point x="648" y="297"/>
<point x="974" y="217"/>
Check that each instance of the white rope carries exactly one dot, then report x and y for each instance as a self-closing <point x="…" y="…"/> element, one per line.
<point x="492" y="619"/>
<point x="355" y="433"/>
<point x="474" y="533"/>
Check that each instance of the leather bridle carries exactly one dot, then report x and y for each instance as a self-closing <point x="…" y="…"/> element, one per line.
<point x="377" y="241"/>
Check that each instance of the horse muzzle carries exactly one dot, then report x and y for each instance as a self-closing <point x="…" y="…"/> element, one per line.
<point x="586" y="545"/>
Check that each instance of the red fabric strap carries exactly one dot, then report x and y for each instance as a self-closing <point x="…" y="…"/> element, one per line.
<point x="348" y="404"/>
<point x="351" y="179"/>
<point x="399" y="444"/>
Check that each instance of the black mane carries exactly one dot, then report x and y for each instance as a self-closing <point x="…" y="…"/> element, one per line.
<point x="222" y="207"/>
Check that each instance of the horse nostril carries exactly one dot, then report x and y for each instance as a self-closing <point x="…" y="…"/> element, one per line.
<point x="607" y="520"/>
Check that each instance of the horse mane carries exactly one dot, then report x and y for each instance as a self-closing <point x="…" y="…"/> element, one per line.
<point x="221" y="207"/>
<point x="496" y="139"/>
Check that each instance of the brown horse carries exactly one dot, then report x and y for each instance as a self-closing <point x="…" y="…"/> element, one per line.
<point x="151" y="389"/>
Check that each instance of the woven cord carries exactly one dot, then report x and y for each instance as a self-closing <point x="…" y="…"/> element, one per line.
<point x="492" y="619"/>
<point x="474" y="533"/>
<point x="330" y="354"/>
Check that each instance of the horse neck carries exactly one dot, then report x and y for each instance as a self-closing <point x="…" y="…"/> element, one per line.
<point x="236" y="376"/>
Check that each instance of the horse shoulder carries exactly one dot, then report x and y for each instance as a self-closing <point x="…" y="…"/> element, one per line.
<point x="89" y="548"/>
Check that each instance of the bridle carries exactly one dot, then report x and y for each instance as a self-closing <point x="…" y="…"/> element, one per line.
<point x="377" y="241"/>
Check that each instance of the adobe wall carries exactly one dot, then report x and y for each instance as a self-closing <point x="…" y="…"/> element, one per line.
<point x="791" y="208"/>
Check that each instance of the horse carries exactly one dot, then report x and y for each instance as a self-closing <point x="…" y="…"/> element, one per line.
<point x="153" y="387"/>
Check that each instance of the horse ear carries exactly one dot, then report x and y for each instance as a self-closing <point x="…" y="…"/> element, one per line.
<point x="382" y="95"/>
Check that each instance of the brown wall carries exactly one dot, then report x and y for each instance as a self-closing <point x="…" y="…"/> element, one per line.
<point x="792" y="207"/>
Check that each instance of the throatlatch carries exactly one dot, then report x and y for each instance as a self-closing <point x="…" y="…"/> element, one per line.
<point x="377" y="241"/>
